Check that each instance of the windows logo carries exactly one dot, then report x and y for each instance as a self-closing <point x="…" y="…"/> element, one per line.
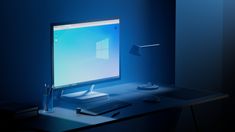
<point x="102" y="49"/>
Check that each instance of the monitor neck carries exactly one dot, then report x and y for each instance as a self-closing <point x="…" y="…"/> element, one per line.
<point x="91" y="89"/>
<point x="87" y="92"/>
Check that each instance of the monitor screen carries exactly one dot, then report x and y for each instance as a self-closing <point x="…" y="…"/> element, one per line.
<point x="85" y="52"/>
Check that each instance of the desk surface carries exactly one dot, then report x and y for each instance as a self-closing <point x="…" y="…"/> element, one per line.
<point x="170" y="98"/>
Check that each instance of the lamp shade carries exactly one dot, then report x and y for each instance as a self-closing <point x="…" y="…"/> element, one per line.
<point x="135" y="49"/>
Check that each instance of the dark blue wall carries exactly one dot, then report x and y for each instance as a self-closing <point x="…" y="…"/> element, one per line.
<point x="229" y="64"/>
<point x="25" y="40"/>
<point x="199" y="43"/>
<point x="229" y="46"/>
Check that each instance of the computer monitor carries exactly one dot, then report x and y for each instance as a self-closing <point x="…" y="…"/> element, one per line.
<point x="85" y="53"/>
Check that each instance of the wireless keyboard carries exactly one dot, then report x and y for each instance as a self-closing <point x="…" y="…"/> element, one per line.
<point x="103" y="108"/>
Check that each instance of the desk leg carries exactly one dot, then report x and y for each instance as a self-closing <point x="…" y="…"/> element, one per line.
<point x="194" y="119"/>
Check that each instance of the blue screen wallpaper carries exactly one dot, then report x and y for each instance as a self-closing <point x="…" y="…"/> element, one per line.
<point x="85" y="54"/>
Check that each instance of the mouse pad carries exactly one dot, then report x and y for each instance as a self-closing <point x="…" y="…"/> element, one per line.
<point x="186" y="94"/>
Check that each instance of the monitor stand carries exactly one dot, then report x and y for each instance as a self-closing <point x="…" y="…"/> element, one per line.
<point x="86" y="96"/>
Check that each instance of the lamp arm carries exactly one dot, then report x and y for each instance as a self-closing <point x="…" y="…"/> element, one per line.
<point x="151" y="45"/>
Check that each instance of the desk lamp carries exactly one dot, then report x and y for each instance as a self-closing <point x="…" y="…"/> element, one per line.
<point x="135" y="50"/>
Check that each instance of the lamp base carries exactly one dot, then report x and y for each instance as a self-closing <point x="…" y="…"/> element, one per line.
<point x="148" y="86"/>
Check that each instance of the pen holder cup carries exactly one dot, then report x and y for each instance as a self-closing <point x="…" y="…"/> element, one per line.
<point x="48" y="101"/>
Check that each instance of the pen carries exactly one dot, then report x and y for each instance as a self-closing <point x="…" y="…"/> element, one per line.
<point x="115" y="114"/>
